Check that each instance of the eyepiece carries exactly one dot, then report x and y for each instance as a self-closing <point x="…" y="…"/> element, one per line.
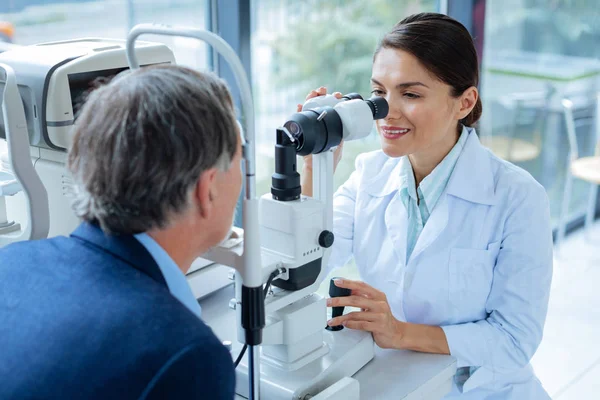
<point x="379" y="107"/>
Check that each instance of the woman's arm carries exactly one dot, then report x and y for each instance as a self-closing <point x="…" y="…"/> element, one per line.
<point x="518" y="301"/>
<point x="376" y="317"/>
<point x="423" y="338"/>
<point x="306" y="178"/>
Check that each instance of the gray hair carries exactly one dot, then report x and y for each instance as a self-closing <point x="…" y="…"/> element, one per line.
<point x="141" y="143"/>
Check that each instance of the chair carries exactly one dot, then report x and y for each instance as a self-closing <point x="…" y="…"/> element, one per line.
<point x="529" y="108"/>
<point x="585" y="168"/>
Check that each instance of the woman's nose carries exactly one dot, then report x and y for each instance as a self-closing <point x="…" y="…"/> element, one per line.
<point x="394" y="111"/>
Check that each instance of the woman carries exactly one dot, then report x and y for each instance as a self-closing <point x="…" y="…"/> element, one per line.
<point x="454" y="245"/>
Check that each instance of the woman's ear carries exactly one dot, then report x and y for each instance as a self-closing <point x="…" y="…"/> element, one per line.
<point x="467" y="101"/>
<point x="203" y="193"/>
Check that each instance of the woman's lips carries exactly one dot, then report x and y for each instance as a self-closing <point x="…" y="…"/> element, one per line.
<point x="393" y="132"/>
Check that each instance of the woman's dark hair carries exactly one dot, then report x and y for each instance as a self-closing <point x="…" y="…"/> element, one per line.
<point x="444" y="46"/>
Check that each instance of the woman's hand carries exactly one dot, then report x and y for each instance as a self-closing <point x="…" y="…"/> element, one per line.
<point x="337" y="154"/>
<point x="375" y="315"/>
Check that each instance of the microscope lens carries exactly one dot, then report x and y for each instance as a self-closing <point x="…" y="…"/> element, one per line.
<point x="294" y="128"/>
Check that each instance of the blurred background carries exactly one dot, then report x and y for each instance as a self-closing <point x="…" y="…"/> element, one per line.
<point x="540" y="71"/>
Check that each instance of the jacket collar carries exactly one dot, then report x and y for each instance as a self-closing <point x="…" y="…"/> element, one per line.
<point x="124" y="247"/>
<point x="388" y="180"/>
<point x="471" y="180"/>
<point x="473" y="177"/>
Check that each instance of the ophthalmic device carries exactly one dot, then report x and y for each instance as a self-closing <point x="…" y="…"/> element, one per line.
<point x="285" y="243"/>
<point x="286" y="239"/>
<point x="43" y="86"/>
<point x="299" y="357"/>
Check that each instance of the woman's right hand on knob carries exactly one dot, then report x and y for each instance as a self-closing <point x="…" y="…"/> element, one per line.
<point x="337" y="154"/>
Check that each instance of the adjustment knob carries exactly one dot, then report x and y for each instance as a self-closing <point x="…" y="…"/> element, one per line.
<point x="326" y="239"/>
<point x="335" y="291"/>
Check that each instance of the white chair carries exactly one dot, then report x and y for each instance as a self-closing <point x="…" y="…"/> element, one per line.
<point x="585" y="168"/>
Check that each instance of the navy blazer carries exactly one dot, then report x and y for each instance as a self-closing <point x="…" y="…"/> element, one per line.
<point x="90" y="316"/>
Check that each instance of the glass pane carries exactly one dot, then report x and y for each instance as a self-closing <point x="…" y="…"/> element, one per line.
<point x="536" y="53"/>
<point x="298" y="46"/>
<point x="54" y="20"/>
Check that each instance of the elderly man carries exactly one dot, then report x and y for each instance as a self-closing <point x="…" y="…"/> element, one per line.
<point x="106" y="313"/>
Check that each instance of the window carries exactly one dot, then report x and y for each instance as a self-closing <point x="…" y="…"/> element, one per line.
<point x="541" y="51"/>
<point x="298" y="46"/>
<point x="37" y="21"/>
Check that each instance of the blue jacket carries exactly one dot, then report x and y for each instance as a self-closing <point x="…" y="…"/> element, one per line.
<point x="90" y="316"/>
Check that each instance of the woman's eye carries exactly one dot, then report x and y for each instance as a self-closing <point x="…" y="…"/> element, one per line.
<point x="411" y="95"/>
<point x="377" y="92"/>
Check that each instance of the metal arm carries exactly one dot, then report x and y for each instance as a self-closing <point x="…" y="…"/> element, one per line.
<point x="17" y="139"/>
<point x="252" y="276"/>
<point x="249" y="266"/>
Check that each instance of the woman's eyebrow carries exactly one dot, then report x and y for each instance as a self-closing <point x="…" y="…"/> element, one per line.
<point x="401" y="85"/>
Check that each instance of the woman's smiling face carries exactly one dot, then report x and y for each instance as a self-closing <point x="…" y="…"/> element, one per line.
<point x="423" y="114"/>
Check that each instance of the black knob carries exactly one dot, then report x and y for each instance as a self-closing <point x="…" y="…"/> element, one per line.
<point x="352" y="96"/>
<point x="326" y="239"/>
<point x="379" y="107"/>
<point x="335" y="291"/>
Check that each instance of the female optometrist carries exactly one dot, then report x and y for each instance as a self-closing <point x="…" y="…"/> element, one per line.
<point x="454" y="245"/>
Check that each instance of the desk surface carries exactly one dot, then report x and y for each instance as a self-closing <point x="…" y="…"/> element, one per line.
<point x="396" y="374"/>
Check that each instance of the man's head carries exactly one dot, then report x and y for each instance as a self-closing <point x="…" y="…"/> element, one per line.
<point x="158" y="147"/>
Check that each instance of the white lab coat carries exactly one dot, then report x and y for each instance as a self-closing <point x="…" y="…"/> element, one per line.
<point x="481" y="269"/>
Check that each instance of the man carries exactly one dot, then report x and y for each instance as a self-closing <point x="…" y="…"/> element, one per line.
<point x="107" y="313"/>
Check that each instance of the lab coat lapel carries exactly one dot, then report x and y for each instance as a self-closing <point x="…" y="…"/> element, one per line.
<point x="386" y="183"/>
<point x="473" y="177"/>
<point x="396" y="219"/>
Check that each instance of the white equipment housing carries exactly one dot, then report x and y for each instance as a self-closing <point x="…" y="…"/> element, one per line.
<point x="299" y="358"/>
<point x="52" y="78"/>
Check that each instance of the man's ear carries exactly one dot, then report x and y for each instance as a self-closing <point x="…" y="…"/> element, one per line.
<point x="467" y="101"/>
<point x="204" y="192"/>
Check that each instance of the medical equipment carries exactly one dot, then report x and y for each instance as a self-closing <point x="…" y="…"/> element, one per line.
<point x="52" y="81"/>
<point x="295" y="361"/>
<point x="23" y="178"/>
<point x="299" y="358"/>
<point x="252" y="318"/>
<point x="335" y="291"/>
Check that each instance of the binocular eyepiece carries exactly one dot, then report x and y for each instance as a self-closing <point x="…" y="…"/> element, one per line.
<point x="324" y="122"/>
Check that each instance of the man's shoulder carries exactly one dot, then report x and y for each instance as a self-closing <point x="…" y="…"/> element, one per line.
<point x="205" y="365"/>
<point x="129" y="325"/>
<point x="25" y="248"/>
<point x="59" y="249"/>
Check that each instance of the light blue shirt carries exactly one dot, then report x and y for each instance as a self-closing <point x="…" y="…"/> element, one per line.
<point x="428" y="192"/>
<point x="176" y="282"/>
<point x="480" y="269"/>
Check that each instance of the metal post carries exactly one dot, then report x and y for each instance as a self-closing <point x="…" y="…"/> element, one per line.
<point x="254" y="373"/>
<point x="3" y="216"/>
<point x="231" y="19"/>
<point x="130" y="15"/>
